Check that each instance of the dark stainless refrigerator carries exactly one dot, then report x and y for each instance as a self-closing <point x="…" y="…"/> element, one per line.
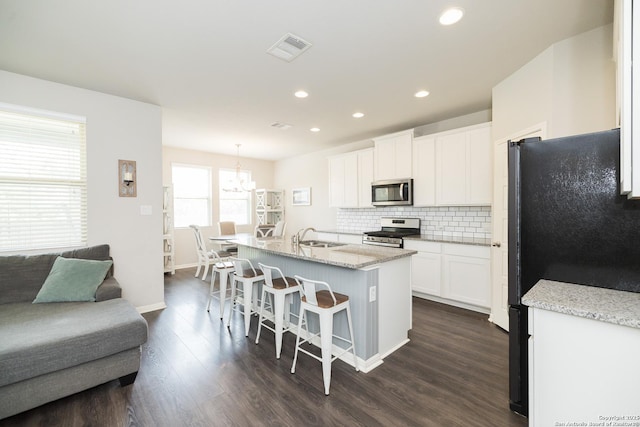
<point x="568" y="223"/>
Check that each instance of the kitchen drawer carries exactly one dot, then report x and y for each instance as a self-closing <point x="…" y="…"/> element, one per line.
<point x="423" y="246"/>
<point x="472" y="251"/>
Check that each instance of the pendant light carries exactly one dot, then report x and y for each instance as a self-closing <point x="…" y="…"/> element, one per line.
<point x="238" y="185"/>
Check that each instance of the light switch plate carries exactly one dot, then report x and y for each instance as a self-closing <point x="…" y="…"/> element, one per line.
<point x="372" y="293"/>
<point x="146" y="210"/>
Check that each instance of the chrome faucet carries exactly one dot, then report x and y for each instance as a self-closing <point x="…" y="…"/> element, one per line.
<point x="299" y="238"/>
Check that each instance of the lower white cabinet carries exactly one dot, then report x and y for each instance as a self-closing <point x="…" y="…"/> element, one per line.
<point x="425" y="270"/>
<point x="582" y="371"/>
<point x="452" y="273"/>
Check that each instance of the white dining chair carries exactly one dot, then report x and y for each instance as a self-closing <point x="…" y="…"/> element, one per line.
<point x="280" y="288"/>
<point x="317" y="297"/>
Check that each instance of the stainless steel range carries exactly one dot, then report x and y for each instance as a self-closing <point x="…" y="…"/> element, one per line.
<point x="393" y="230"/>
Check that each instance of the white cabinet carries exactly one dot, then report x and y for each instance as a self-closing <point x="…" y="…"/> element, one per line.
<point x="466" y="275"/>
<point x="426" y="267"/>
<point x="393" y="155"/>
<point x="350" y="177"/>
<point x="424" y="171"/>
<point x="365" y="177"/>
<point x="582" y="370"/>
<point x="167" y="232"/>
<point x="452" y="273"/>
<point x="463" y="164"/>
<point x="627" y="47"/>
<point x="269" y="206"/>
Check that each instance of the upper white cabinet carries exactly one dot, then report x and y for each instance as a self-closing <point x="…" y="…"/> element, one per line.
<point x="627" y="47"/>
<point x="365" y="177"/>
<point x="463" y="167"/>
<point x="424" y="171"/>
<point x="350" y="177"/>
<point x="393" y="155"/>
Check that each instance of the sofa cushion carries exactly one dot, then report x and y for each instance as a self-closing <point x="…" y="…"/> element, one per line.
<point x="73" y="280"/>
<point x="22" y="276"/>
<point x="39" y="338"/>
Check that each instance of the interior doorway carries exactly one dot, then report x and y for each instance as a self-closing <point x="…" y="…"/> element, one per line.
<point x="499" y="233"/>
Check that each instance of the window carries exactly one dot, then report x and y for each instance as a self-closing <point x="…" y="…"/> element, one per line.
<point x="191" y="195"/>
<point x="235" y="205"/>
<point x="43" y="180"/>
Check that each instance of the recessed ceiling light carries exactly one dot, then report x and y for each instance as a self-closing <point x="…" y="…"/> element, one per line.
<point x="315" y="129"/>
<point x="301" y="94"/>
<point x="421" y="94"/>
<point x="451" y="16"/>
<point x="358" y="115"/>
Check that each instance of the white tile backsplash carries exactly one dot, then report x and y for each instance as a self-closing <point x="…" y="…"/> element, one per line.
<point x="451" y="221"/>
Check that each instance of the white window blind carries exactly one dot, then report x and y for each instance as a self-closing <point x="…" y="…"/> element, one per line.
<point x="43" y="181"/>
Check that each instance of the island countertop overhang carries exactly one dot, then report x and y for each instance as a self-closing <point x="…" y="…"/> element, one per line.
<point x="347" y="256"/>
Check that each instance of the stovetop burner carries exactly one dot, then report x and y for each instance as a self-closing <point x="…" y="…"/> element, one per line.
<point x="393" y="230"/>
<point x="384" y="233"/>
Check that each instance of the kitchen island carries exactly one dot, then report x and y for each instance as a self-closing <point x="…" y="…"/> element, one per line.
<point x="376" y="279"/>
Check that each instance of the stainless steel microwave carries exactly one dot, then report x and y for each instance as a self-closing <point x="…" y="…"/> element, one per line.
<point x="392" y="192"/>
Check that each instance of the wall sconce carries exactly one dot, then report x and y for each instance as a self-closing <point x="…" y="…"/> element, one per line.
<point x="127" y="178"/>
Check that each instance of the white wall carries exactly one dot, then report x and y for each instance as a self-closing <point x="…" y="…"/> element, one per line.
<point x="117" y="128"/>
<point x="310" y="170"/>
<point x="261" y="173"/>
<point x="570" y="86"/>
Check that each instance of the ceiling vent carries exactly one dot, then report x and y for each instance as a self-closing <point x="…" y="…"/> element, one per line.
<point x="281" y="126"/>
<point x="289" y="47"/>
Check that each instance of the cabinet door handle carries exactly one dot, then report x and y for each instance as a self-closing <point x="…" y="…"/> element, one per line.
<point x="496" y="244"/>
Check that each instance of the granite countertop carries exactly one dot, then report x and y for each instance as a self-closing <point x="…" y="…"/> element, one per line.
<point x="348" y="256"/>
<point x="606" y="305"/>
<point x="436" y="237"/>
<point x="430" y="237"/>
<point x="354" y="233"/>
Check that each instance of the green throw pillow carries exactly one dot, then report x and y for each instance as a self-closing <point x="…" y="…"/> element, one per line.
<point x="73" y="279"/>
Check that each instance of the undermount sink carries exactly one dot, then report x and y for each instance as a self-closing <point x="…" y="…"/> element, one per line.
<point x="320" y="244"/>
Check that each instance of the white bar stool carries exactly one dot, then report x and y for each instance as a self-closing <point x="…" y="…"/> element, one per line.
<point x="222" y="267"/>
<point x="246" y="274"/>
<point x="325" y="303"/>
<point x="280" y="288"/>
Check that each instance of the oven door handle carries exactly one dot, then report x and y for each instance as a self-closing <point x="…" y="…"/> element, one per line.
<point x="390" y="245"/>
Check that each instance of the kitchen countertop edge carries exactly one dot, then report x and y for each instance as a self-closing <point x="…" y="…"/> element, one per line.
<point x="602" y="304"/>
<point x="475" y="241"/>
<point x="383" y="254"/>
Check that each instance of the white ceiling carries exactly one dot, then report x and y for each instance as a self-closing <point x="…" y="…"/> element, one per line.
<point x="205" y="61"/>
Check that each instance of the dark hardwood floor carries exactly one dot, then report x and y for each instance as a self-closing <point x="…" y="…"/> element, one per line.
<point x="196" y="372"/>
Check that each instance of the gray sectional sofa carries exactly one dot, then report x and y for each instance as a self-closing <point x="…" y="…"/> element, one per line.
<point x="52" y="350"/>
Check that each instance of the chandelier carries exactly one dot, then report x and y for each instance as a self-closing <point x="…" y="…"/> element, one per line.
<point x="239" y="185"/>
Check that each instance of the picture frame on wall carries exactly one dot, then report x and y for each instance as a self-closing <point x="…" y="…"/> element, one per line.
<point x="301" y="196"/>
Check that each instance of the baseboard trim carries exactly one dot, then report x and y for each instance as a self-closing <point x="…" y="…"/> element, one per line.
<point x="394" y="348"/>
<point x="458" y="304"/>
<point x="183" y="266"/>
<point x="151" y="307"/>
